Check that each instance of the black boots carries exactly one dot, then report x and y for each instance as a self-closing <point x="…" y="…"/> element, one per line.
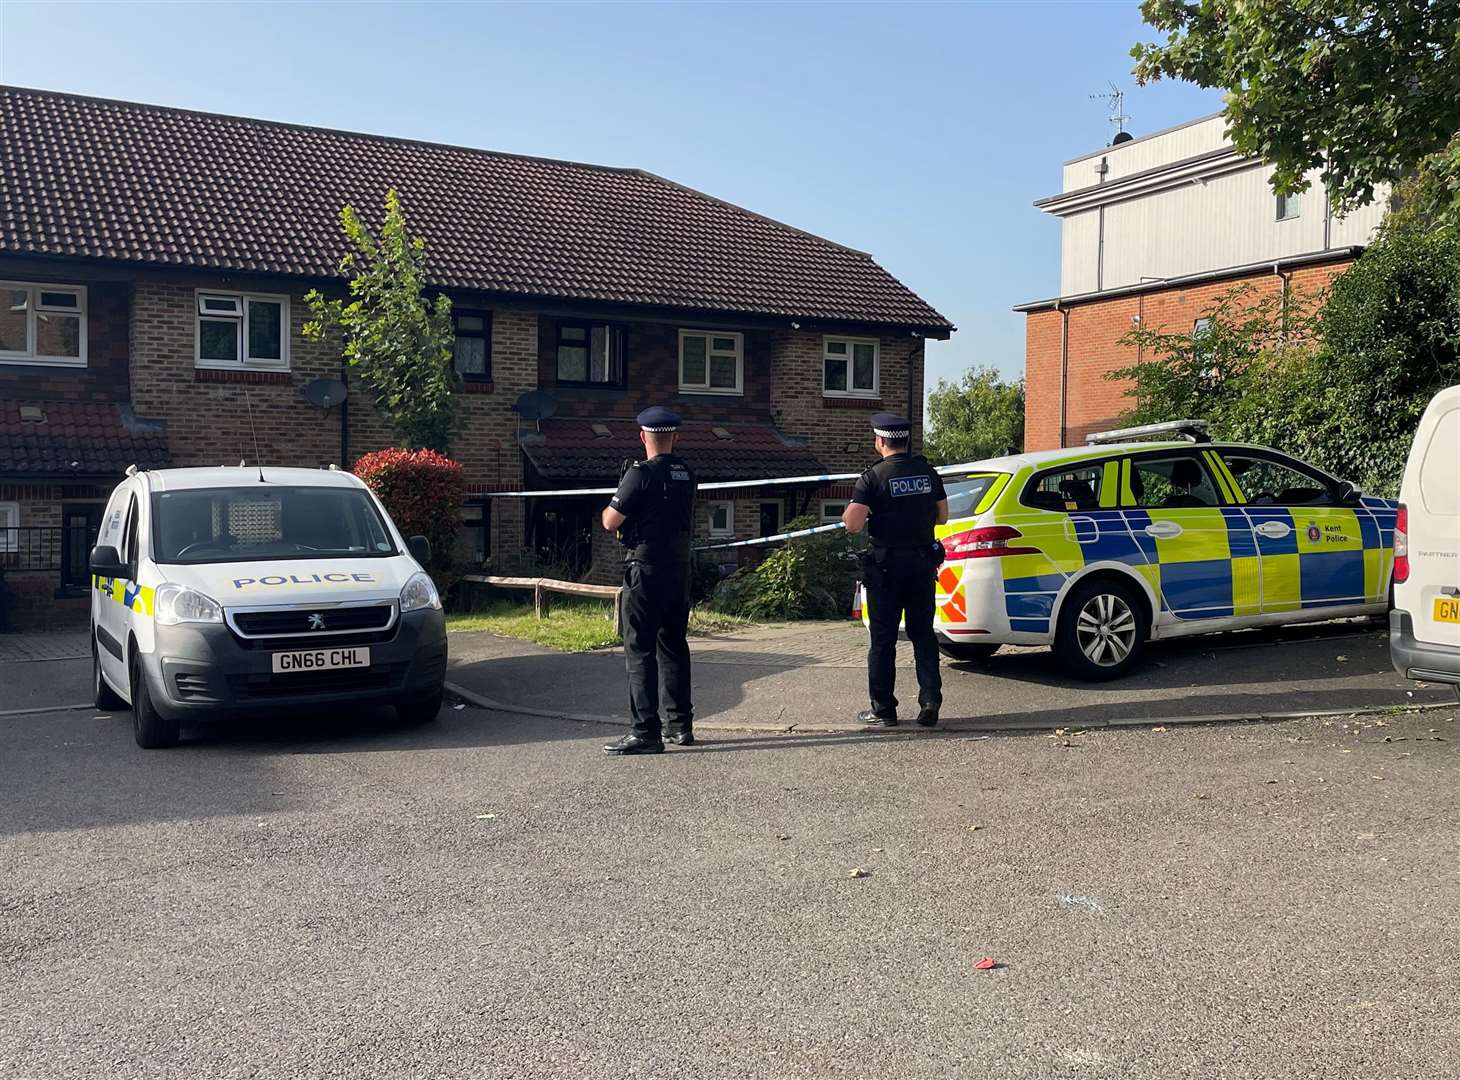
<point x="632" y="744"/>
<point x="874" y="719"/>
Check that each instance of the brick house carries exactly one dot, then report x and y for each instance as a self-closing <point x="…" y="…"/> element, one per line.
<point x="1154" y="230"/>
<point x="153" y="267"/>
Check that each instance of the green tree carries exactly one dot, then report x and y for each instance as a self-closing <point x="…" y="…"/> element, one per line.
<point x="401" y="343"/>
<point x="980" y="416"/>
<point x="1365" y="91"/>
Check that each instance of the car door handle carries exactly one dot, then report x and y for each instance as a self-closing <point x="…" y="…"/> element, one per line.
<point x="1274" y="530"/>
<point x="1163" y="530"/>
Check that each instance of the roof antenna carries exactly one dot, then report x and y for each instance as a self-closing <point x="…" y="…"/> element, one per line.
<point x="258" y="459"/>
<point x="1116" y="96"/>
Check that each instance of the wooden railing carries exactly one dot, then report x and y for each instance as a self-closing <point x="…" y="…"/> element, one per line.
<point x="541" y="587"/>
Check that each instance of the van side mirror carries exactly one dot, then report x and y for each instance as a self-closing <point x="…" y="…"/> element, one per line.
<point x="106" y="561"/>
<point x="420" y="549"/>
<point x="1349" y="493"/>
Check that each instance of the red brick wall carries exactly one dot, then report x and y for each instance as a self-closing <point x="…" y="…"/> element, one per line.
<point x="1094" y="403"/>
<point x="104" y="378"/>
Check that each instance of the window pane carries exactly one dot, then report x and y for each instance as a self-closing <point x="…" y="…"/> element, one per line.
<point x="60" y="300"/>
<point x="1172" y="483"/>
<point x="836" y="348"/>
<point x="722" y="372"/>
<point x="13" y="306"/>
<point x="469" y="324"/>
<point x="1077" y="489"/>
<point x="572" y="363"/>
<point x="1266" y="483"/>
<point x="724" y="344"/>
<point x="572" y="333"/>
<point x="57" y="335"/>
<point x="692" y="360"/>
<point x="218" y="340"/>
<point x="265" y="321"/>
<point x="219" y="305"/>
<point x="864" y="367"/>
<point x="601" y="370"/>
<point x="471" y="355"/>
<point x="836" y="374"/>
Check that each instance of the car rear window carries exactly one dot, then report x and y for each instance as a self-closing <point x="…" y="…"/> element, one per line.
<point x="1437" y="486"/>
<point x="967" y="492"/>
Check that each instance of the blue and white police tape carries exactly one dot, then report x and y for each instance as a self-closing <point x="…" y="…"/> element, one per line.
<point x="795" y="534"/>
<point x="719" y="485"/>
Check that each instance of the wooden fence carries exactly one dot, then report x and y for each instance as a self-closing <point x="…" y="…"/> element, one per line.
<point x="541" y="587"/>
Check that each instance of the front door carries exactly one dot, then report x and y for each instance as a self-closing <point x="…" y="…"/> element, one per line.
<point x="80" y="523"/>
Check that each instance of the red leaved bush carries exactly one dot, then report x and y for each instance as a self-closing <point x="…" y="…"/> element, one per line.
<point x="423" y="492"/>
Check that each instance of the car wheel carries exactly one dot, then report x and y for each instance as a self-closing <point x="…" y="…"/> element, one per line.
<point x="103" y="695"/>
<point x="1102" y="630"/>
<point x="420" y="710"/>
<point x="150" y="728"/>
<point x="966" y="650"/>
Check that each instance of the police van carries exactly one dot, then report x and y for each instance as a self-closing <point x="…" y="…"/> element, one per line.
<point x="1095" y="551"/>
<point x="250" y="590"/>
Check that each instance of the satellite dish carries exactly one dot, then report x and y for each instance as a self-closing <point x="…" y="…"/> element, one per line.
<point x="536" y="405"/>
<point x="326" y="393"/>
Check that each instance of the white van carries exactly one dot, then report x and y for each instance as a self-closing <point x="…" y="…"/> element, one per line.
<point x="1424" y="625"/>
<point x="247" y="591"/>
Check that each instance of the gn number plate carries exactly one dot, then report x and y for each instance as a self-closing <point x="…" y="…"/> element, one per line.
<point x="320" y="660"/>
<point x="1447" y="609"/>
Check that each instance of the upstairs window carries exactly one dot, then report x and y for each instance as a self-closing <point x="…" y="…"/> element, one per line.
<point x="42" y="324"/>
<point x="473" y="348"/>
<point x="849" y="367"/>
<point x="711" y="363"/>
<point x="237" y="330"/>
<point x="1287" y="207"/>
<point x="590" y="354"/>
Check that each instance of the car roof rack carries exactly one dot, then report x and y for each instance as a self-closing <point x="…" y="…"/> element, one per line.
<point x="1193" y="430"/>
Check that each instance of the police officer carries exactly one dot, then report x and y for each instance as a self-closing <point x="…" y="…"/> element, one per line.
<point x="653" y="512"/>
<point x="898" y="501"/>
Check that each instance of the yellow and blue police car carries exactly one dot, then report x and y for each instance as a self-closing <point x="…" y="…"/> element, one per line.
<point x="1098" y="550"/>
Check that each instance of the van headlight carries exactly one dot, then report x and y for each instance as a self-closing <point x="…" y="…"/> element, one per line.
<point x="419" y="592"/>
<point x="174" y="604"/>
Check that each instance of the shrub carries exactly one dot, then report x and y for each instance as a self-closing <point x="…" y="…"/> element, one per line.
<point x="423" y="492"/>
<point x="811" y="578"/>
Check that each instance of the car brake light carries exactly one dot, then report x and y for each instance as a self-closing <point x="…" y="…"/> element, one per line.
<point x="1401" y="544"/>
<point x="989" y="542"/>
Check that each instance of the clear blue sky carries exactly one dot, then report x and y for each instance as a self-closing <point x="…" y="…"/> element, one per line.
<point x="917" y="132"/>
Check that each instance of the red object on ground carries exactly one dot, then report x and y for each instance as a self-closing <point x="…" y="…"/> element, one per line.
<point x="986" y="964"/>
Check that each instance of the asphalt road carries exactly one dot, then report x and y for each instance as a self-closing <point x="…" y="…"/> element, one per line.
<point x="490" y="896"/>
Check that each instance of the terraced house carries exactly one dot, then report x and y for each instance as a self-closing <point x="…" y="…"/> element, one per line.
<point x="153" y="264"/>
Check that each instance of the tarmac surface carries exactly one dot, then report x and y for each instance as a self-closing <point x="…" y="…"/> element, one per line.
<point x="491" y="896"/>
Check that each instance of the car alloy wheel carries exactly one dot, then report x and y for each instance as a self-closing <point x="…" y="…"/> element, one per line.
<point x="1106" y="629"/>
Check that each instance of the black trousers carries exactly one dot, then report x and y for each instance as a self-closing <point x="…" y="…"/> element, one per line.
<point x="655" y="608"/>
<point x="900" y="588"/>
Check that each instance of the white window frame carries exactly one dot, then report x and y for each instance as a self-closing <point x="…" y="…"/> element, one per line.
<point x="828" y="518"/>
<point x="729" y="527"/>
<point x="851" y="343"/>
<point x="34" y="309"/>
<point x="240" y="317"/>
<point x="705" y="387"/>
<point x="9" y="528"/>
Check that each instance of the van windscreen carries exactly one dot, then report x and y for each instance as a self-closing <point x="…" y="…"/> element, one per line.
<point x="243" y="524"/>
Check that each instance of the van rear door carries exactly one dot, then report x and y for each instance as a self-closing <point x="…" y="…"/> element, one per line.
<point x="1431" y="493"/>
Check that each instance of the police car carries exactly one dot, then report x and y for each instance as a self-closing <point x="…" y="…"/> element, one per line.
<point x="1096" y="551"/>
<point x="250" y="590"/>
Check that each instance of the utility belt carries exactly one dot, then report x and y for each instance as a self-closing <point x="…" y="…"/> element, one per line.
<point x="880" y="559"/>
<point x="659" y="551"/>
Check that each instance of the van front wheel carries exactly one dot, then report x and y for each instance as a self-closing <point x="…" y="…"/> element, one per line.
<point x="1102" y="630"/>
<point x="150" y="728"/>
<point x="419" y="711"/>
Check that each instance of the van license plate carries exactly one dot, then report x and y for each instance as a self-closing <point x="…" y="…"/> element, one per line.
<point x="1447" y="609"/>
<point x="320" y="660"/>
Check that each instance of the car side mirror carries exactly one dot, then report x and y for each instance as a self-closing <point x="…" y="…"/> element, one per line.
<point x="420" y="549"/>
<point x="106" y="561"/>
<point x="1349" y="493"/>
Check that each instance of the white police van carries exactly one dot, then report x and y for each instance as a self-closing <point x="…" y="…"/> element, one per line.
<point x="251" y="590"/>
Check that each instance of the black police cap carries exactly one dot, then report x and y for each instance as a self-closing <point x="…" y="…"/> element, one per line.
<point x="891" y="426"/>
<point x="659" y="419"/>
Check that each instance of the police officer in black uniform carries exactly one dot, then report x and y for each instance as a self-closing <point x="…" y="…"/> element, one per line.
<point x="898" y="501"/>
<point x="652" y="513"/>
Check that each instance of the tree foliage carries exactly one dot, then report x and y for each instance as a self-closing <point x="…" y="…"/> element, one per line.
<point x="978" y="417"/>
<point x="401" y="343"/>
<point x="422" y="491"/>
<point x="1365" y="91"/>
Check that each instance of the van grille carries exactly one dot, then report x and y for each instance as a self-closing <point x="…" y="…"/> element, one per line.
<point x="312" y="621"/>
<point x="379" y="677"/>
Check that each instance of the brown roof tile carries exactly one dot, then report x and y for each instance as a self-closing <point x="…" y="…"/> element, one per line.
<point x="90" y="177"/>
<point x="73" y="438"/>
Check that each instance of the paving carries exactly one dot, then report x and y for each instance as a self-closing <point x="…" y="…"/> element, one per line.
<point x="811" y="677"/>
<point x="50" y="645"/>
<point x="491" y="896"/>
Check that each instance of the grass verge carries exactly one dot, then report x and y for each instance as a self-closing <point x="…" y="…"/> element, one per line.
<point x="571" y="625"/>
